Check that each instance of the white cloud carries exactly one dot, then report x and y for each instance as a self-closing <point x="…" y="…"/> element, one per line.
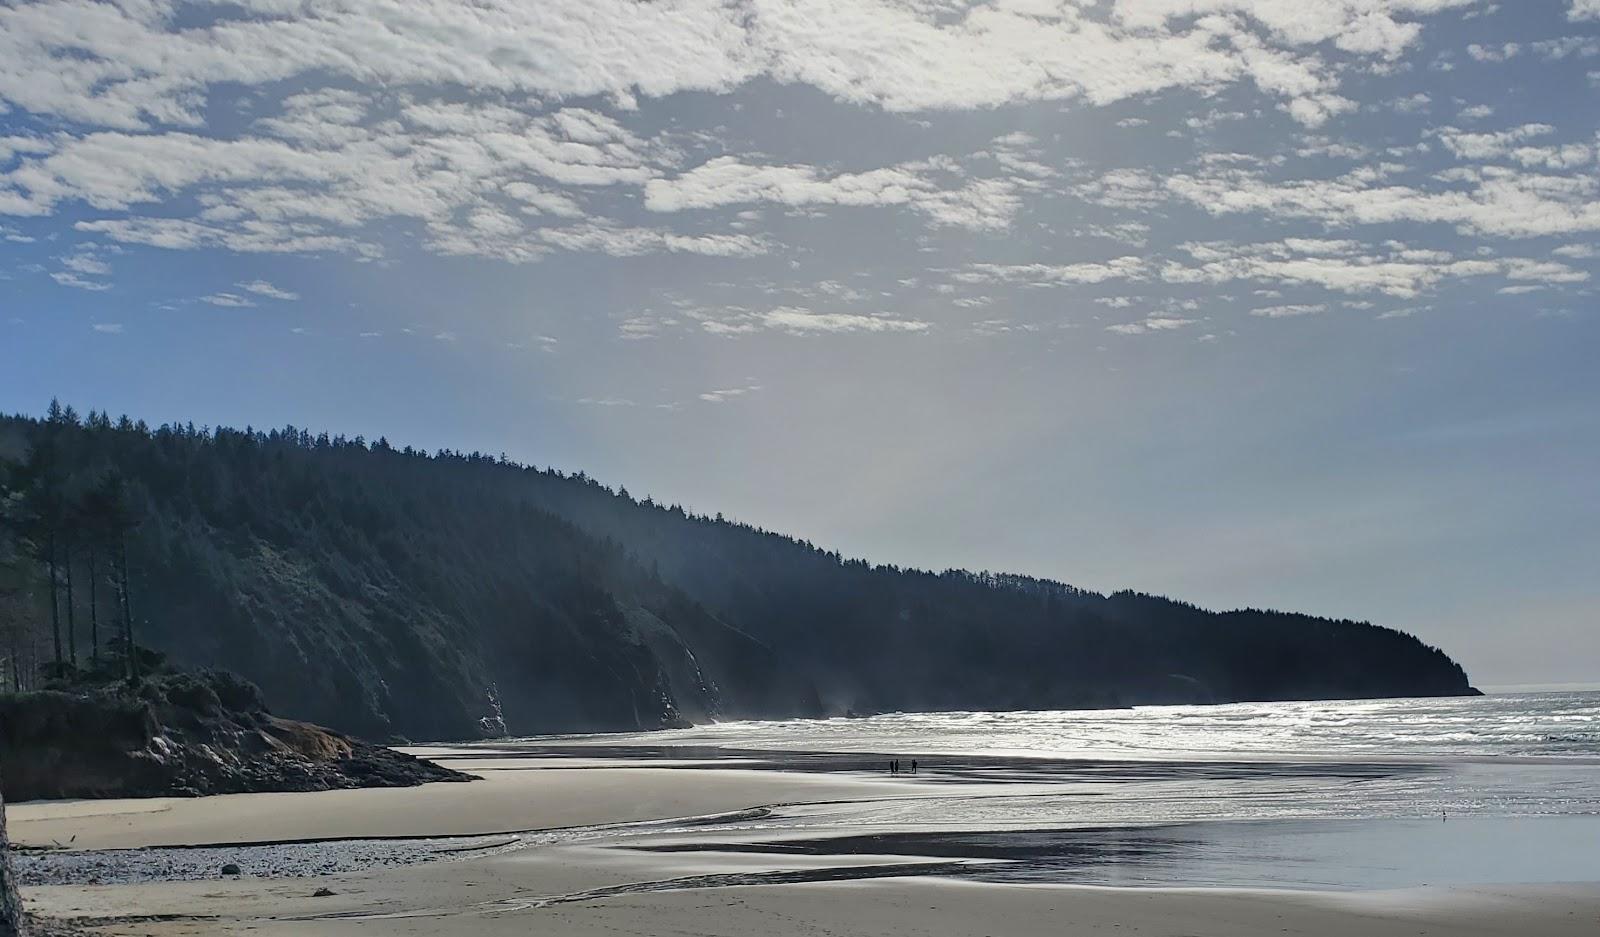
<point x="475" y="177"/>
<point x="1132" y="233"/>
<point x="130" y="64"/>
<point x="1341" y="265"/>
<point x="108" y="328"/>
<point x="727" y="393"/>
<point x="1020" y="153"/>
<point x="1498" y="53"/>
<point x="636" y="328"/>
<point x="1150" y="324"/>
<point x="464" y="132"/>
<point x="459" y="126"/>
<point x="1412" y="104"/>
<point x="133" y="64"/>
<point x="1289" y="310"/>
<point x="1491" y="200"/>
<point x="1511" y="145"/>
<point x="628" y="242"/>
<point x="795" y="320"/>
<point x="984" y="204"/>
<point x="228" y="300"/>
<point x="1121" y="188"/>
<point x="1583" y="10"/>
<point x="183" y="234"/>
<point x="1574" y="46"/>
<point x="78" y="267"/>
<point x="727" y="180"/>
<point x="68" y="278"/>
<point x="1336" y="149"/>
<point x="1129" y="267"/>
<point x="1212" y="118"/>
<point x="263" y="288"/>
<point x="801" y="322"/>
<point x="86" y="263"/>
<point x="1394" y="269"/>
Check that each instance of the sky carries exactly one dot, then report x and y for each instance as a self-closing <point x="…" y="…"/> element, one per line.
<point x="1256" y="303"/>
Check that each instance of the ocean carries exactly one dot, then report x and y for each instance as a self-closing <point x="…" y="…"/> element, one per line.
<point x="1531" y="725"/>
<point x="1331" y="794"/>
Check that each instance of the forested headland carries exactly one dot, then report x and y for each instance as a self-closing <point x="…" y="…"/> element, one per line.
<point x="392" y="593"/>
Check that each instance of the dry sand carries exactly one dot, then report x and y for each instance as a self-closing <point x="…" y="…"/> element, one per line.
<point x="512" y="796"/>
<point x="589" y="889"/>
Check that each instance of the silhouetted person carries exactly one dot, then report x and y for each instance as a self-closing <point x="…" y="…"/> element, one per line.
<point x="913" y="766"/>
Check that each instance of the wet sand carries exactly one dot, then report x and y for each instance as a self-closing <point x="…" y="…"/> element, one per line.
<point x="630" y="847"/>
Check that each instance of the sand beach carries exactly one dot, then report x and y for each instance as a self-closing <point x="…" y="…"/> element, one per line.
<point x="563" y="844"/>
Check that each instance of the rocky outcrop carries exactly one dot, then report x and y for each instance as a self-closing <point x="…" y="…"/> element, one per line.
<point x="182" y="734"/>
<point x="11" y="916"/>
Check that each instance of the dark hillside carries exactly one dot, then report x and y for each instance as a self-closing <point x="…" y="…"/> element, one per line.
<point x="384" y="591"/>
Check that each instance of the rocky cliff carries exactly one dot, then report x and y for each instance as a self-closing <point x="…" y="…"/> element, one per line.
<point x="182" y="734"/>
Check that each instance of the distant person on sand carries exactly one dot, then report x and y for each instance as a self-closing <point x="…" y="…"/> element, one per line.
<point x="913" y="766"/>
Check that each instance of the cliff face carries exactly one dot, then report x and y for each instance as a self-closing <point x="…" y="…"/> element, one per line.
<point x="385" y="592"/>
<point x="182" y="735"/>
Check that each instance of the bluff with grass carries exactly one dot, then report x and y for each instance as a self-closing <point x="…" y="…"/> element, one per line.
<point x="388" y="592"/>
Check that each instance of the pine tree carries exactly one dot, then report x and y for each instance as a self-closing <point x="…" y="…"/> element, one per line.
<point x="92" y="510"/>
<point x="117" y="519"/>
<point x="41" y="523"/>
<point x="72" y="621"/>
<point x="13" y="584"/>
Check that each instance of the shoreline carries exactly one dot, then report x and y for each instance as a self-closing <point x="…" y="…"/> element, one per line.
<point x="633" y="847"/>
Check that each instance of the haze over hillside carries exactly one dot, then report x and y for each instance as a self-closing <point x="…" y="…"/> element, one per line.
<point x="389" y="592"/>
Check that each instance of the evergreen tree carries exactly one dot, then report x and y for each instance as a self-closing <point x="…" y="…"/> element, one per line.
<point x="380" y="590"/>
<point x="42" y="522"/>
<point x="115" y="519"/>
<point x="94" y="511"/>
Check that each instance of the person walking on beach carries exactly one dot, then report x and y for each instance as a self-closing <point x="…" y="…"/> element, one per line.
<point x="913" y="766"/>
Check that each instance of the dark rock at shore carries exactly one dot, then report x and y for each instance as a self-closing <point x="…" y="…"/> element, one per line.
<point x="182" y="734"/>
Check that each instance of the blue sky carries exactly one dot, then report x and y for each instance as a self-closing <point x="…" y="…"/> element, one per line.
<point x="1252" y="302"/>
